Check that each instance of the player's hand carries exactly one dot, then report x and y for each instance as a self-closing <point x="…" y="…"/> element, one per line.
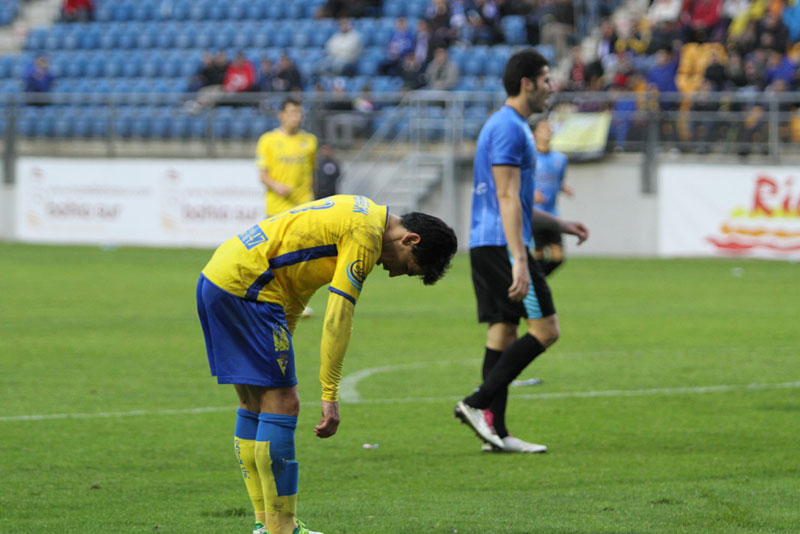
<point x="282" y="189"/>
<point x="330" y="420"/>
<point x="538" y="197"/>
<point x="577" y="229"/>
<point x="521" y="280"/>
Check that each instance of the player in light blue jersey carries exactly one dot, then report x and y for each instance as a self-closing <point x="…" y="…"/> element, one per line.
<point x="509" y="284"/>
<point x="551" y="170"/>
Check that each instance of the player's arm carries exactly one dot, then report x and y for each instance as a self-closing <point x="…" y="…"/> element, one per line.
<point x="507" y="181"/>
<point x="263" y="153"/>
<point x="358" y="252"/>
<point x="542" y="219"/>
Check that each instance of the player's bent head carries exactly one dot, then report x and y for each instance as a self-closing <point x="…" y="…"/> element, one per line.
<point x="436" y="247"/>
<point x="527" y="63"/>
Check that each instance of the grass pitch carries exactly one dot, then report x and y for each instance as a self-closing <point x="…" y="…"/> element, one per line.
<point x="671" y="404"/>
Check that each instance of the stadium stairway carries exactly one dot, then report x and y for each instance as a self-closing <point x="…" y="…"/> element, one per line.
<point x="31" y="14"/>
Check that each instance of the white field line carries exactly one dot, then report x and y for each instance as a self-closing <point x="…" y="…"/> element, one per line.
<point x="541" y="396"/>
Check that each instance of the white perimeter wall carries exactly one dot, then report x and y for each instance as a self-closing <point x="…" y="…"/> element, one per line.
<point x="201" y="203"/>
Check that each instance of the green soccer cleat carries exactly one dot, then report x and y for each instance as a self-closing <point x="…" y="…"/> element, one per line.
<point x="259" y="528"/>
<point x="301" y="529"/>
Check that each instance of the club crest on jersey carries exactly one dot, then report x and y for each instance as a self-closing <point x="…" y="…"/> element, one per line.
<point x="281" y="339"/>
<point x="283" y="362"/>
<point x="355" y="273"/>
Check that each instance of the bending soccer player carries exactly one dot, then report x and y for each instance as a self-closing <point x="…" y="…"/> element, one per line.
<point x="551" y="168"/>
<point x="249" y="298"/>
<point x="509" y="284"/>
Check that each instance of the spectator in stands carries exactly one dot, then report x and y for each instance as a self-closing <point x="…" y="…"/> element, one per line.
<point x="779" y="67"/>
<point x="704" y="117"/>
<point x="459" y="20"/>
<point x="343" y="50"/>
<point x="265" y="77"/>
<point x="485" y="22"/>
<point x="287" y="75"/>
<point x="699" y="17"/>
<point x="734" y="72"/>
<point x="441" y="74"/>
<point x="773" y="33"/>
<point x="664" y="20"/>
<point x="364" y="102"/>
<point x="412" y="73"/>
<point x="791" y="18"/>
<point x="240" y="76"/>
<point x="577" y="71"/>
<point x="38" y="79"/>
<point x="438" y="17"/>
<point x="211" y="72"/>
<point x="715" y="72"/>
<point x="328" y="172"/>
<point x="558" y="28"/>
<point x="401" y="43"/>
<point x="423" y="50"/>
<point x="337" y="9"/>
<point x="606" y="46"/>
<point x="661" y="76"/>
<point x="77" y="11"/>
<point x="339" y="100"/>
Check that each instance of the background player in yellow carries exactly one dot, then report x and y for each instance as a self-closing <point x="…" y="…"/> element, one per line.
<point x="286" y="157"/>
<point x="249" y="298"/>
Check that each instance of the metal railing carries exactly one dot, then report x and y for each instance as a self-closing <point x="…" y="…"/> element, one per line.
<point x="173" y="125"/>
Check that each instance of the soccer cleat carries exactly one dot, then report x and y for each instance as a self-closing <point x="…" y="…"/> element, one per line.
<point x="259" y="528"/>
<point x="301" y="529"/>
<point x="474" y="418"/>
<point x="512" y="444"/>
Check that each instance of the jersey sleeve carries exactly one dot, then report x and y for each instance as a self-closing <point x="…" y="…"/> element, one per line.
<point x="359" y="250"/>
<point x="263" y="151"/>
<point x="508" y="145"/>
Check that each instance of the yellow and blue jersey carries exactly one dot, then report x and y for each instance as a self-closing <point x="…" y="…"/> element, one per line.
<point x="289" y="159"/>
<point x="285" y="258"/>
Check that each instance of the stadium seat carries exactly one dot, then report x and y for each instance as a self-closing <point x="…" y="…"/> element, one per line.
<point x="274" y="10"/>
<point x="513" y="27"/>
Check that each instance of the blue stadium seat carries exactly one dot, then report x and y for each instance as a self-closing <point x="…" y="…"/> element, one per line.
<point x="36" y="39"/>
<point x="324" y="30"/>
<point x="238" y="10"/>
<point x="394" y="8"/>
<point x="144" y="10"/>
<point x="224" y="38"/>
<point x="76" y="67"/>
<point x="198" y="10"/>
<point x="548" y="52"/>
<point x="95" y="67"/>
<point x="295" y="10"/>
<point x="513" y="27"/>
<point x="255" y="10"/>
<point x="282" y="37"/>
<point x="217" y="11"/>
<point x="274" y="10"/>
<point x="122" y="11"/>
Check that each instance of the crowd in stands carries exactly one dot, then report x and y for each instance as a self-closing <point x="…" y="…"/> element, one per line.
<point x="685" y="50"/>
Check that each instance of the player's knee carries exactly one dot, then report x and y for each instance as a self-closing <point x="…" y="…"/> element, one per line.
<point x="546" y="334"/>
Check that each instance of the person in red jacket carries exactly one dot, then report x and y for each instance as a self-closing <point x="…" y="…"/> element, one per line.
<point x="77" y="10"/>
<point x="240" y="76"/>
<point x="699" y="17"/>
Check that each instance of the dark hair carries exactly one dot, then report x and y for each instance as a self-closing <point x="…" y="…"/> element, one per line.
<point x="290" y="100"/>
<point x="436" y="246"/>
<point x="527" y="63"/>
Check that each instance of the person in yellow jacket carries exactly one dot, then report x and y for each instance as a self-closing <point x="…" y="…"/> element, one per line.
<point x="249" y="298"/>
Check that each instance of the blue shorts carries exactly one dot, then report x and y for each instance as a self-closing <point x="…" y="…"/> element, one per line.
<point x="247" y="342"/>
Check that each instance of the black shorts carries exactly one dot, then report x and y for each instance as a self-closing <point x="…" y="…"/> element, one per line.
<point x="491" y="277"/>
<point x="545" y="237"/>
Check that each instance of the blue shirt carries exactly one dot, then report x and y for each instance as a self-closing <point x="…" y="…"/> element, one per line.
<point x="505" y="139"/>
<point x="550" y="169"/>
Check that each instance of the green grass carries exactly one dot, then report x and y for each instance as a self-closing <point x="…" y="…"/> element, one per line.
<point x="87" y="331"/>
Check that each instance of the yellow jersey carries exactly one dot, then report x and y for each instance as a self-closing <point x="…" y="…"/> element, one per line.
<point x="287" y="257"/>
<point x="289" y="159"/>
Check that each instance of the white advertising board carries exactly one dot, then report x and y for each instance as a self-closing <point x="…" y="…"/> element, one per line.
<point x="136" y="202"/>
<point x="729" y="211"/>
